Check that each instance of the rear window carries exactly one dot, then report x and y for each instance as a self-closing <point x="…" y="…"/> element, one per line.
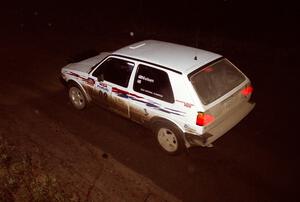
<point x="216" y="80"/>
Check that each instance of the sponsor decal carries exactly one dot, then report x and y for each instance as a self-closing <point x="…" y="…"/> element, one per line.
<point x="141" y="77"/>
<point x="88" y="81"/>
<point x="152" y="93"/>
<point x="186" y="104"/>
<point x="189" y="129"/>
<point x="102" y="86"/>
<point x="148" y="103"/>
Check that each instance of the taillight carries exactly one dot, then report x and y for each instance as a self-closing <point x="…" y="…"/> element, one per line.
<point x="204" y="119"/>
<point x="247" y="91"/>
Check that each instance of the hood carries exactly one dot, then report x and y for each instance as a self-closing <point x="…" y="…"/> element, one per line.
<point x="87" y="64"/>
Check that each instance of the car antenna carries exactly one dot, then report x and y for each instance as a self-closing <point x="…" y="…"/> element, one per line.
<point x="196" y="40"/>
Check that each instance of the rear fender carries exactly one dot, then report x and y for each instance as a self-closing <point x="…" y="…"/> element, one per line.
<point x="158" y="120"/>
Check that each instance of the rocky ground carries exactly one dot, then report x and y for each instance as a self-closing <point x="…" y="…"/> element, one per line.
<point x="83" y="172"/>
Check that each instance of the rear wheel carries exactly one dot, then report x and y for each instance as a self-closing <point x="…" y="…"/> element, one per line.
<point x="169" y="138"/>
<point x="77" y="97"/>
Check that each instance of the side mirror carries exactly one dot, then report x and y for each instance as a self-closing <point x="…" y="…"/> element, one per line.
<point x="100" y="77"/>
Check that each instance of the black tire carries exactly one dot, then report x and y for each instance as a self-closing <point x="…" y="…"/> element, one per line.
<point x="77" y="97"/>
<point x="169" y="137"/>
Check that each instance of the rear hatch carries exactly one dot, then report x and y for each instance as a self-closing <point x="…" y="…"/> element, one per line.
<point x="215" y="80"/>
<point x="224" y="90"/>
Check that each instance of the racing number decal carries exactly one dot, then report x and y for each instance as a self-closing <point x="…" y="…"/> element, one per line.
<point x="103" y="95"/>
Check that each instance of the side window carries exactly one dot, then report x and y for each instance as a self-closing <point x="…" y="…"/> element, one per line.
<point x="153" y="82"/>
<point x="115" y="70"/>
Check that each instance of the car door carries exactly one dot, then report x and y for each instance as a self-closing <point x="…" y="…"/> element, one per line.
<point x="152" y="94"/>
<point x="111" y="89"/>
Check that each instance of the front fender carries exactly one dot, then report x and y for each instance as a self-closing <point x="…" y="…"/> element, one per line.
<point x="76" y="83"/>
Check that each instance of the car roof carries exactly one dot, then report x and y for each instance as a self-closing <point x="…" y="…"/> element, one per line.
<point x="176" y="57"/>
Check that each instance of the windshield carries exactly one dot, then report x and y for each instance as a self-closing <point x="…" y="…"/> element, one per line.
<point x="216" y="80"/>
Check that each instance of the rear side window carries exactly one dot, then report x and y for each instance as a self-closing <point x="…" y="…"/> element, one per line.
<point x="153" y="82"/>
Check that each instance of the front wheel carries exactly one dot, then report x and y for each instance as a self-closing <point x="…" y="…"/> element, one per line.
<point x="77" y="97"/>
<point x="169" y="138"/>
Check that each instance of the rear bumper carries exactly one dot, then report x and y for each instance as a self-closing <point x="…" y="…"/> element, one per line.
<point x="224" y="125"/>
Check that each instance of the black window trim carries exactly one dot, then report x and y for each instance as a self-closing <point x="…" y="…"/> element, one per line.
<point x="104" y="59"/>
<point x="134" y="59"/>
<point x="96" y="66"/>
<point x="150" y="63"/>
<point x="136" y="74"/>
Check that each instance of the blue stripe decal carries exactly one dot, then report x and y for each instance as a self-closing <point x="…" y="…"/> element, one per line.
<point x="148" y="103"/>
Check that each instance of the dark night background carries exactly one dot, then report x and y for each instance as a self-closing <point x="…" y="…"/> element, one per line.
<point x="260" y="37"/>
<point x="231" y="17"/>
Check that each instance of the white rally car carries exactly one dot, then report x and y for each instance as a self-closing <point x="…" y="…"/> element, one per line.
<point x="187" y="96"/>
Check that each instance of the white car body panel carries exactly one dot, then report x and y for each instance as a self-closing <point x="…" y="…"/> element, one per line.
<point x="87" y="64"/>
<point x="177" y="57"/>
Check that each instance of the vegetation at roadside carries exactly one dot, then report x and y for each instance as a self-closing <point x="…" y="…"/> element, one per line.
<point x="23" y="179"/>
